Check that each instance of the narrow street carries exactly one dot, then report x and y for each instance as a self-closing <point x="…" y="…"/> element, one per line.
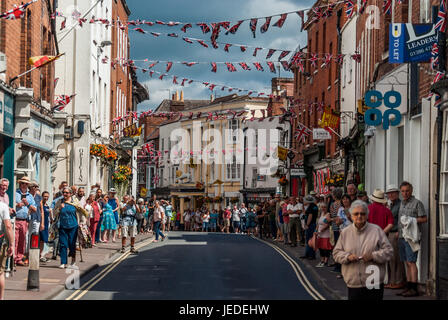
<point x="199" y="266"/>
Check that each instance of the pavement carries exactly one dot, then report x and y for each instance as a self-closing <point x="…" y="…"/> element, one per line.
<point x="328" y="280"/>
<point x="52" y="279"/>
<point x="198" y="266"/>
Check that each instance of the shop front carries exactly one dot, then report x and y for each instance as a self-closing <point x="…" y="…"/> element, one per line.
<point x="7" y="140"/>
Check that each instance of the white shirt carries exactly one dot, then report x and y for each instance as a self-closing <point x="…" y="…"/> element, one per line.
<point x="293" y="208"/>
<point x="236" y="215"/>
<point x="4" y="214"/>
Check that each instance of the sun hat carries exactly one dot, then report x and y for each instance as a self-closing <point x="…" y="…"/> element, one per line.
<point x="34" y="183"/>
<point x="24" y="180"/>
<point x="112" y="190"/>
<point x="392" y="188"/>
<point x="378" y="196"/>
<point x="309" y="199"/>
<point x="313" y="193"/>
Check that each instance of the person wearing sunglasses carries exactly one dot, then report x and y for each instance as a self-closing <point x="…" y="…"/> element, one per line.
<point x="363" y="249"/>
<point x="68" y="213"/>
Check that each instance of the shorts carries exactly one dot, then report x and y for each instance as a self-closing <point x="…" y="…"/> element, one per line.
<point x="130" y="231"/>
<point x="226" y="222"/>
<point x="406" y="253"/>
<point x="212" y="225"/>
<point x="3" y="258"/>
<point x="236" y="224"/>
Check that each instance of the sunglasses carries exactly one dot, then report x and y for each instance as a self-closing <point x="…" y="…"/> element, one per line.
<point x="65" y="192"/>
<point x="355" y="214"/>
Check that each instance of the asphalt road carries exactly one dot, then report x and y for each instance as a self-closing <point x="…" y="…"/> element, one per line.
<point x="199" y="266"/>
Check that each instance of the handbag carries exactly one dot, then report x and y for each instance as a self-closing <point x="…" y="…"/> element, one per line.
<point x="313" y="241"/>
<point x="332" y="240"/>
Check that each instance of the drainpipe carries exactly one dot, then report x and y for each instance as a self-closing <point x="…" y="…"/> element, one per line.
<point x="244" y="168"/>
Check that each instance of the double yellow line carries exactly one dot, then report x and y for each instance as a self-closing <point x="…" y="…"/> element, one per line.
<point x="298" y="271"/>
<point x="81" y="292"/>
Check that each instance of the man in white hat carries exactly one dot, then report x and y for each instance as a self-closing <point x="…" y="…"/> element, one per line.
<point x="396" y="267"/>
<point x="379" y="214"/>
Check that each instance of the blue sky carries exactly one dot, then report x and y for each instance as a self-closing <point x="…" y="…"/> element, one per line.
<point x="164" y="48"/>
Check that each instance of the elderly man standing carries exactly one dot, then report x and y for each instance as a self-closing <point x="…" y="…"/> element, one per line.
<point x="363" y="250"/>
<point x="396" y="267"/>
<point x="411" y="215"/>
<point x="294" y="210"/>
<point x="4" y="185"/>
<point x="379" y="214"/>
<point x="352" y="191"/>
<point x="25" y="206"/>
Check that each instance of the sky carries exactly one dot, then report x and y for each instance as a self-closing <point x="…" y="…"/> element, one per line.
<point x="164" y="48"/>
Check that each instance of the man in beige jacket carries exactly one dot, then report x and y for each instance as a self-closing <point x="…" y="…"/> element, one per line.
<point x="363" y="251"/>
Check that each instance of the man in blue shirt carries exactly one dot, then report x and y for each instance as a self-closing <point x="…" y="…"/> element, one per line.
<point x="25" y="206"/>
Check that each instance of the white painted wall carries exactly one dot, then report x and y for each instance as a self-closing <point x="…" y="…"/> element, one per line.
<point x="348" y="80"/>
<point x="80" y="73"/>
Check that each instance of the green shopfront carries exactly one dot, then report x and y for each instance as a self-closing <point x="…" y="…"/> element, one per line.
<point x="7" y="140"/>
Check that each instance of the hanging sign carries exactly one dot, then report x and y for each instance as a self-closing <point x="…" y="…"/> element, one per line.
<point x="321" y="134"/>
<point x="132" y="131"/>
<point x="374" y="117"/>
<point x="127" y="143"/>
<point x="411" y="42"/>
<point x="330" y="119"/>
<point x="282" y="153"/>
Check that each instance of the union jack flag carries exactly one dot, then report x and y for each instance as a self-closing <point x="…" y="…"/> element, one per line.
<point x="226" y="47"/>
<point x="387" y="6"/>
<point x="314" y="59"/>
<point x="281" y="21"/>
<point x="235" y="28"/>
<point x="271" y="66"/>
<point x="62" y="101"/>
<point x="439" y="76"/>
<point x="258" y="66"/>
<point x="203" y="43"/>
<point x="435" y="57"/>
<point x="270" y="53"/>
<point x="230" y="67"/>
<point x="264" y="28"/>
<point x="185" y="27"/>
<point x="349" y="8"/>
<point x="214" y="67"/>
<point x="244" y="66"/>
<point x="175" y="80"/>
<point x="283" y="54"/>
<point x="438" y="101"/>
<point x="17" y="12"/>
<point x="187" y="40"/>
<point x="301" y="132"/>
<point x="189" y="64"/>
<point x="441" y="17"/>
<point x="363" y="6"/>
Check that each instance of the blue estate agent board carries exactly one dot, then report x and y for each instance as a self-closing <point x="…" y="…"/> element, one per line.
<point x="411" y="42"/>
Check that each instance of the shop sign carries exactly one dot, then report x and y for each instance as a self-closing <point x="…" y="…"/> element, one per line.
<point x="6" y="113"/>
<point x="298" y="173"/>
<point x="321" y="134"/>
<point x="39" y="134"/>
<point x="374" y="116"/>
<point x="127" y="143"/>
<point x="411" y="42"/>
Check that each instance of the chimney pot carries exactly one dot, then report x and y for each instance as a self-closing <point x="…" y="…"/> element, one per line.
<point x="182" y="95"/>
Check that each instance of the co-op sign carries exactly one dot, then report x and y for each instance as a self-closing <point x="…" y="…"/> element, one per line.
<point x="411" y="42"/>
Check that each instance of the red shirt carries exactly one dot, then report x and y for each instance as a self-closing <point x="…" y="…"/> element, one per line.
<point x="380" y="215"/>
<point x="96" y="211"/>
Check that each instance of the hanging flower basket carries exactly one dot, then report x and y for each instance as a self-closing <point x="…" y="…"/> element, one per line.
<point x="121" y="175"/>
<point x="283" y="181"/>
<point x="234" y="200"/>
<point x="199" y="186"/>
<point x="336" y="180"/>
<point x="217" y="199"/>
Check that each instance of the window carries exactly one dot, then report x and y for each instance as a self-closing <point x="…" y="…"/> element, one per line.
<point x="254" y="147"/>
<point x="254" y="177"/>
<point x="233" y="170"/>
<point x="425" y="11"/>
<point x="234" y="126"/>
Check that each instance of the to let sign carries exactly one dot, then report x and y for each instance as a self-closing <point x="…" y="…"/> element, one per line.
<point x="321" y="134"/>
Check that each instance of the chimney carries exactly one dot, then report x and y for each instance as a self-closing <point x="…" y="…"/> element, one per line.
<point x="176" y="96"/>
<point x="212" y="98"/>
<point x="182" y="95"/>
<point x="172" y="97"/>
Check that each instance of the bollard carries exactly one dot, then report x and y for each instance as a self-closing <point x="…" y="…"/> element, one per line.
<point x="34" y="256"/>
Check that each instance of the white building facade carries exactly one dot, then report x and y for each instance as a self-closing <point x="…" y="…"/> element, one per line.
<point x="81" y="71"/>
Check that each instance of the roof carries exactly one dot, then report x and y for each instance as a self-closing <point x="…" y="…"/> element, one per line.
<point x="166" y="105"/>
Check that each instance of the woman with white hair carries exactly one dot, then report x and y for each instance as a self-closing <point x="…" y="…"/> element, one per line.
<point x="363" y="251"/>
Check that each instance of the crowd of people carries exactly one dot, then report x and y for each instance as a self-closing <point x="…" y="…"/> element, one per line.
<point x="73" y="221"/>
<point x="349" y="230"/>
